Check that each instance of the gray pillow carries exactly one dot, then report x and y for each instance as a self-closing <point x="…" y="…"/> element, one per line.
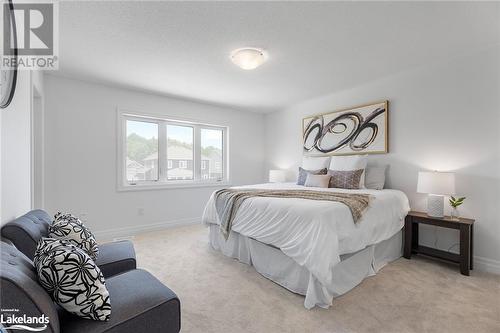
<point x="375" y="177"/>
<point x="301" y="180"/>
<point x="317" y="180"/>
<point x="350" y="180"/>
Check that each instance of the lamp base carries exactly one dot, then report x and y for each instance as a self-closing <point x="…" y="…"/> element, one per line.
<point x="435" y="205"/>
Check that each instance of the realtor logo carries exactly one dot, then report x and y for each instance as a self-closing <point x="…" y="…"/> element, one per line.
<point x="11" y="320"/>
<point x="30" y="35"/>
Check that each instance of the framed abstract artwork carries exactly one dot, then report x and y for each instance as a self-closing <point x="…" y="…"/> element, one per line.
<point x="358" y="130"/>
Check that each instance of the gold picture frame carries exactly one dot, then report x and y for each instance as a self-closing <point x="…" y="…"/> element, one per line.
<point x="358" y="130"/>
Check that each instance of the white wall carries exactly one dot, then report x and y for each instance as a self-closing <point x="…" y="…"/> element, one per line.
<point x="80" y="156"/>
<point x="16" y="148"/>
<point x="442" y="117"/>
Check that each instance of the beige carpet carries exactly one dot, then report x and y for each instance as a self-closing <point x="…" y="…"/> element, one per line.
<point x="219" y="294"/>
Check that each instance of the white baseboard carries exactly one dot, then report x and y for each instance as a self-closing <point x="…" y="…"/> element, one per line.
<point x="127" y="232"/>
<point x="487" y="265"/>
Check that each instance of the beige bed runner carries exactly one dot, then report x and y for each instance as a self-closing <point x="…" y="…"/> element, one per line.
<point x="228" y="201"/>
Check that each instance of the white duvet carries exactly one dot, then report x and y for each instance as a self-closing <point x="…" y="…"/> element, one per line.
<point x="316" y="233"/>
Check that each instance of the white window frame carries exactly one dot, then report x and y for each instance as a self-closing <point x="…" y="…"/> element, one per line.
<point x="162" y="183"/>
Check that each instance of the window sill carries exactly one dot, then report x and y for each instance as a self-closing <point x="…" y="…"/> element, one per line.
<point x="166" y="186"/>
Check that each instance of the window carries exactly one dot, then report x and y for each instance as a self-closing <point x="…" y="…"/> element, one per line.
<point x="142" y="151"/>
<point x="211" y="150"/>
<point x="171" y="152"/>
<point x="180" y="148"/>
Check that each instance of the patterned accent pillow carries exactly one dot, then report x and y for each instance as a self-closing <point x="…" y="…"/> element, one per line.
<point x="301" y="180"/>
<point x="72" y="279"/>
<point x="346" y="179"/>
<point x="75" y="232"/>
<point x="67" y="217"/>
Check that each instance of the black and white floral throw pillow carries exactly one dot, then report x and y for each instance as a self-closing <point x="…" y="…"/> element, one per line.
<point x="59" y="216"/>
<point x="72" y="279"/>
<point x="69" y="227"/>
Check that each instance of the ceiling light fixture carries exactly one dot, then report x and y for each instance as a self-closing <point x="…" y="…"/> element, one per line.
<point x="248" y="57"/>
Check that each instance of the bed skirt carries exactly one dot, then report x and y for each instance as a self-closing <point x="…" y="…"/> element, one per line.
<point x="276" y="266"/>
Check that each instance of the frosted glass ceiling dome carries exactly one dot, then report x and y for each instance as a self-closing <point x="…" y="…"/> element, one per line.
<point x="248" y="57"/>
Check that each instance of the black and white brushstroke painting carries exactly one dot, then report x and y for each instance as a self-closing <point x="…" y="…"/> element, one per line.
<point x="358" y="130"/>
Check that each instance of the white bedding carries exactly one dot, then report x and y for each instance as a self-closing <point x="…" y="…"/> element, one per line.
<point x="315" y="233"/>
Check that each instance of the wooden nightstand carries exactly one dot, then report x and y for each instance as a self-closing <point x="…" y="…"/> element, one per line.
<point x="465" y="226"/>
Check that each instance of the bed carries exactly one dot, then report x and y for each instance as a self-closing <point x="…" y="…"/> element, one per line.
<point x="312" y="248"/>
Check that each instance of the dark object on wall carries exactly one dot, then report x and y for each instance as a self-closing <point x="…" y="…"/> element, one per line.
<point x="8" y="76"/>
<point x="358" y="130"/>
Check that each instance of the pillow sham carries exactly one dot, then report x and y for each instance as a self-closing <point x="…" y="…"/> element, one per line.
<point x="315" y="163"/>
<point x="72" y="279"/>
<point x="317" y="180"/>
<point x="345" y="179"/>
<point x="349" y="163"/>
<point x="375" y="177"/>
<point x="75" y="232"/>
<point x="301" y="180"/>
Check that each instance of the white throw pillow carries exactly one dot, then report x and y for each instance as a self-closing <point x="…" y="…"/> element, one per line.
<point x="375" y="177"/>
<point x="349" y="163"/>
<point x="74" y="231"/>
<point x="72" y="279"/>
<point x="315" y="163"/>
<point x="317" y="180"/>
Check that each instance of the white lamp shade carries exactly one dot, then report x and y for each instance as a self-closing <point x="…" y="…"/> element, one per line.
<point x="277" y="176"/>
<point x="440" y="183"/>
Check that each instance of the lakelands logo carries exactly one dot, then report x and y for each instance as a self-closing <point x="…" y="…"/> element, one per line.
<point x="13" y="321"/>
<point x="30" y="35"/>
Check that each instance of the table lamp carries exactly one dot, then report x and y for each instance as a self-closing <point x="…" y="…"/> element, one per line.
<point x="436" y="185"/>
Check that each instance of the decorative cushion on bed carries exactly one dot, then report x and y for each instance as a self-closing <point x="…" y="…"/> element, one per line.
<point x="315" y="163"/>
<point x="349" y="163"/>
<point x="375" y="177"/>
<point x="317" y="180"/>
<point x="73" y="230"/>
<point x="72" y="279"/>
<point x="301" y="180"/>
<point x="345" y="179"/>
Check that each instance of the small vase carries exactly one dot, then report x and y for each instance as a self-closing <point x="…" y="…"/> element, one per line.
<point x="455" y="214"/>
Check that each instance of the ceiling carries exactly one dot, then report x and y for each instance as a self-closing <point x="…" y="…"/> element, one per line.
<point x="182" y="48"/>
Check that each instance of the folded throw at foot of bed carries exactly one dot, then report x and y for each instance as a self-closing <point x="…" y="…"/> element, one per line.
<point x="227" y="202"/>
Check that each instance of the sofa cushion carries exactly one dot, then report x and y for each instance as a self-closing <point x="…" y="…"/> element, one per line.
<point x="25" y="231"/>
<point x="20" y="288"/>
<point x="72" y="278"/>
<point x="141" y="303"/>
<point x="116" y="257"/>
<point x="77" y="233"/>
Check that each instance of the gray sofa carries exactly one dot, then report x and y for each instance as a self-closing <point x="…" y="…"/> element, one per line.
<point x="25" y="232"/>
<point x="139" y="301"/>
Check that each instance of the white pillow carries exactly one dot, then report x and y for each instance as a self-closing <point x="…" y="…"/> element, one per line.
<point x="375" y="177"/>
<point x="349" y="163"/>
<point x="315" y="163"/>
<point x="317" y="180"/>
